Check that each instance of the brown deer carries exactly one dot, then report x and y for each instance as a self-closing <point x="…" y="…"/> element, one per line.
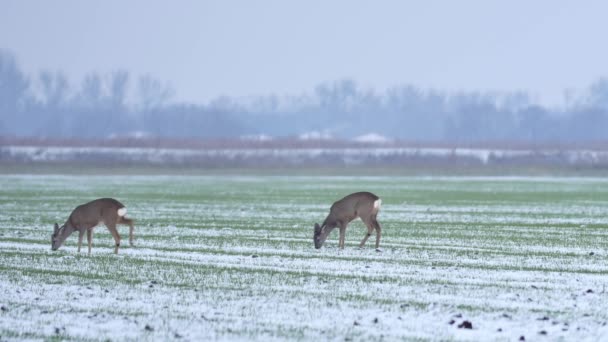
<point x="360" y="204"/>
<point x="89" y="215"/>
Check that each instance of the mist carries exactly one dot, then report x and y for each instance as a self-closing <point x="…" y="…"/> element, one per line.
<point x="104" y="105"/>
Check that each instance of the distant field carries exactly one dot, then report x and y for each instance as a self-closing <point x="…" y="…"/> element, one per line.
<point x="231" y="257"/>
<point x="162" y="155"/>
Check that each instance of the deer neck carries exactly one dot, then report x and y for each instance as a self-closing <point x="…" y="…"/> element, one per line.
<point x="66" y="231"/>
<point x="329" y="223"/>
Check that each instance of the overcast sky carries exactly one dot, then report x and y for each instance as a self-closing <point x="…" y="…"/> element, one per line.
<point x="241" y="48"/>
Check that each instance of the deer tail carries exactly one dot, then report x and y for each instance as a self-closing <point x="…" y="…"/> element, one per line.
<point x="377" y="204"/>
<point x="122" y="211"/>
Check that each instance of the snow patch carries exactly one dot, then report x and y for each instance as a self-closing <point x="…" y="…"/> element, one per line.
<point x="257" y="137"/>
<point x="133" y="134"/>
<point x="315" y="135"/>
<point x="350" y="156"/>
<point x="374" y="138"/>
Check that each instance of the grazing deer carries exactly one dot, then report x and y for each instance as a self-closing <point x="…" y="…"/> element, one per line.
<point x="89" y="215"/>
<point x="360" y="204"/>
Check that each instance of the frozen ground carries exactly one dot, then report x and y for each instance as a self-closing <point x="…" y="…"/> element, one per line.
<point x="303" y="156"/>
<point x="231" y="258"/>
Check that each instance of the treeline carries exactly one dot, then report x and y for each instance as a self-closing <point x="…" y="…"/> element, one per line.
<point x="116" y="104"/>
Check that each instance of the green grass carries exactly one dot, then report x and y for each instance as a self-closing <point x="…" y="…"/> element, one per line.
<point x="231" y="257"/>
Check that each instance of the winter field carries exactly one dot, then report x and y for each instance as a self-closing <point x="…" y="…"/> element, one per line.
<point x="232" y="258"/>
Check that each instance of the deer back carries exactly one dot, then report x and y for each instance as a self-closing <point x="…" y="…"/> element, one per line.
<point x="354" y="205"/>
<point x="106" y="210"/>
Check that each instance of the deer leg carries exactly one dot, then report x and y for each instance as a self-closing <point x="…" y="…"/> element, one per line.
<point x="342" y="235"/>
<point x="115" y="235"/>
<point x="131" y="229"/>
<point x="378" y="231"/>
<point x="80" y="236"/>
<point x="370" y="229"/>
<point x="90" y="238"/>
<point x="125" y="220"/>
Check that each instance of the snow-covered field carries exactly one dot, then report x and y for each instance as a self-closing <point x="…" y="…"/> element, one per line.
<point x="231" y="258"/>
<point x="302" y="156"/>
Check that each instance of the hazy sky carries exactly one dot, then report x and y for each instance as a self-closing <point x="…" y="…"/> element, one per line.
<point x="242" y="48"/>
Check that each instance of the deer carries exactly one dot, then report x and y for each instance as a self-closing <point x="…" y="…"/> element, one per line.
<point x="87" y="216"/>
<point x="364" y="205"/>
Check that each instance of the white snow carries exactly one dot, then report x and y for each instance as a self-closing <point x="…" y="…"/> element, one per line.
<point x="372" y="138"/>
<point x="258" y="137"/>
<point x="503" y="263"/>
<point x="315" y="135"/>
<point x="295" y="155"/>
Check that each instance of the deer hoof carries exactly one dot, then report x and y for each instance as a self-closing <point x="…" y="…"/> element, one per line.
<point x="378" y="250"/>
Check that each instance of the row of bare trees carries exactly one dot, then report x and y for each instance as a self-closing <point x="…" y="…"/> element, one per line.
<point x="103" y="105"/>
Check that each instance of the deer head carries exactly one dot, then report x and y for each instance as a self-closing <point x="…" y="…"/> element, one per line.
<point x="59" y="235"/>
<point x="320" y="235"/>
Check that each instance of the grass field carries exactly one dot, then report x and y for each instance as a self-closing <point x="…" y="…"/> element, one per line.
<point x="232" y="258"/>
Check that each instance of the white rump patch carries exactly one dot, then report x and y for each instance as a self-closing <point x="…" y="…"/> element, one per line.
<point x="377" y="204"/>
<point x="122" y="211"/>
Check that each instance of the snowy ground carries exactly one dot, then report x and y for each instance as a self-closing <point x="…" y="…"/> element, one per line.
<point x="305" y="156"/>
<point x="231" y="258"/>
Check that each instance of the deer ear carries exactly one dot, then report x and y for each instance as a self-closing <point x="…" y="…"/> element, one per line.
<point x="56" y="228"/>
<point x="317" y="227"/>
